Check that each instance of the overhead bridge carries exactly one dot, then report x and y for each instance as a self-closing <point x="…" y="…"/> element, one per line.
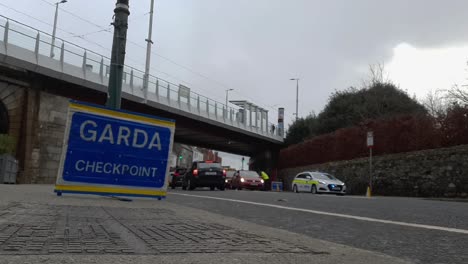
<point x="78" y="73"/>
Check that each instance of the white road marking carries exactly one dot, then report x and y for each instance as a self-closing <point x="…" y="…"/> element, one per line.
<point x="325" y="195"/>
<point x="361" y="218"/>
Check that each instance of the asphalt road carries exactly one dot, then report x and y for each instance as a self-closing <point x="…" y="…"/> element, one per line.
<point x="422" y="231"/>
<point x="37" y="226"/>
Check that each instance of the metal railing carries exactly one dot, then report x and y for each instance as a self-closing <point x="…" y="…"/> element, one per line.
<point x="80" y="62"/>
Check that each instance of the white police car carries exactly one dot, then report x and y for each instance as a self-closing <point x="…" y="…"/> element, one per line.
<point x="317" y="182"/>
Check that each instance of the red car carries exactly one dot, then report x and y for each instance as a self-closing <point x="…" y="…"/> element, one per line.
<point x="247" y="179"/>
<point x="176" y="177"/>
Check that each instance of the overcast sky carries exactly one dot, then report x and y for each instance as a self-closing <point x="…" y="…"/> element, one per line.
<point x="256" y="46"/>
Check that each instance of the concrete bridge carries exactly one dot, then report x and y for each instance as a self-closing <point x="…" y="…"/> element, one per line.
<point x="35" y="89"/>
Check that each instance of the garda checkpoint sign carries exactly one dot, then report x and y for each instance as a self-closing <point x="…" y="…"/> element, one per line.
<point x="113" y="152"/>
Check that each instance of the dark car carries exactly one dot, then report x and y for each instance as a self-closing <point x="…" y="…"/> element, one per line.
<point x="248" y="180"/>
<point x="177" y="177"/>
<point x="205" y="174"/>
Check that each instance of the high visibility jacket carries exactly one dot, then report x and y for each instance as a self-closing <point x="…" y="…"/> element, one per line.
<point x="264" y="176"/>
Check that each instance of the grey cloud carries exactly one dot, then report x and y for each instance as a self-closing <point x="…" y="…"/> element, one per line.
<point x="255" y="46"/>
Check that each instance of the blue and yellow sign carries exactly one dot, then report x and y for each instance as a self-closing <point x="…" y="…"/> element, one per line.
<point x="111" y="152"/>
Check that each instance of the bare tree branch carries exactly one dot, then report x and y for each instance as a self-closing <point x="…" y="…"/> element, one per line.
<point x="458" y="94"/>
<point x="436" y="103"/>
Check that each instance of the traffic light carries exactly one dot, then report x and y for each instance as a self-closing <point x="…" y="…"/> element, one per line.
<point x="180" y="157"/>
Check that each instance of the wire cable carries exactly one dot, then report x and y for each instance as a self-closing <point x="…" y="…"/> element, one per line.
<point x="225" y="87"/>
<point x="107" y="30"/>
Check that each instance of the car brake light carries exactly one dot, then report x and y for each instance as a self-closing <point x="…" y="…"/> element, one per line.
<point x="176" y="174"/>
<point x="224" y="173"/>
<point x="195" y="172"/>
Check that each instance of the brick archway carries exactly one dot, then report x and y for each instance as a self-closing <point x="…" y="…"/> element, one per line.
<point x="4" y="119"/>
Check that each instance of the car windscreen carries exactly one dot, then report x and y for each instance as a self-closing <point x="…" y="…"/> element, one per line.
<point x="229" y="174"/>
<point x="321" y="176"/>
<point x="249" y="174"/>
<point x="330" y="177"/>
<point x="209" y="165"/>
<point x="324" y="176"/>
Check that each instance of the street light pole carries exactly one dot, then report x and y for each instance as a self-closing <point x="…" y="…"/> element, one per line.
<point x="148" y="53"/>
<point x="121" y="13"/>
<point x="227" y="100"/>
<point x="54" y="30"/>
<point x="297" y="96"/>
<point x="227" y="96"/>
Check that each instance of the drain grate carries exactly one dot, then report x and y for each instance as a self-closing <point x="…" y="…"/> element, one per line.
<point x="47" y="229"/>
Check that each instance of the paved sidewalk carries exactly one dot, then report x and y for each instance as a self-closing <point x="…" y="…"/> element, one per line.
<point x="36" y="226"/>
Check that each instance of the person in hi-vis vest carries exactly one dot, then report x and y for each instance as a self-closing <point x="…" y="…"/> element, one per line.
<point x="266" y="180"/>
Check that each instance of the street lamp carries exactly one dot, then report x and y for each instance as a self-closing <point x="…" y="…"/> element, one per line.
<point x="148" y="53"/>
<point x="227" y="100"/>
<point x="227" y="96"/>
<point x="55" y="27"/>
<point x="297" y="96"/>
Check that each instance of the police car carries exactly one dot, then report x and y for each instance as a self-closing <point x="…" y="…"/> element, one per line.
<point x="318" y="182"/>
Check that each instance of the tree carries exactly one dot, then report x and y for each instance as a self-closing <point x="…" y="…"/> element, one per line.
<point x="458" y="94"/>
<point x="436" y="103"/>
<point x="454" y="125"/>
<point x="352" y="106"/>
<point x="301" y="129"/>
<point x="379" y="98"/>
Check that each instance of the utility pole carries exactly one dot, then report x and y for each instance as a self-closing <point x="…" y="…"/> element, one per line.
<point x="54" y="30"/>
<point x="370" y="145"/>
<point x="149" y="42"/>
<point x="370" y="168"/>
<point x="297" y="96"/>
<point x="121" y="13"/>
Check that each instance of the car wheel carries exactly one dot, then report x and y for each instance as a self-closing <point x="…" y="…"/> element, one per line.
<point x="239" y="188"/>
<point x="190" y="185"/>
<point x="295" y="189"/>
<point x="313" y="190"/>
<point x="212" y="188"/>
<point x="340" y="194"/>
<point x="222" y="188"/>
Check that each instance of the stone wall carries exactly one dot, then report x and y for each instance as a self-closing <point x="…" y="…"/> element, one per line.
<point x="37" y="121"/>
<point x="436" y="172"/>
<point x="52" y="118"/>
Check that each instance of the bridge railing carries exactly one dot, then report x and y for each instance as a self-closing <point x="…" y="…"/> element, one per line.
<point x="76" y="61"/>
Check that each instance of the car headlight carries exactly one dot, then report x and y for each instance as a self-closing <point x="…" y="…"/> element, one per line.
<point x="242" y="180"/>
<point x="262" y="181"/>
<point x="225" y="181"/>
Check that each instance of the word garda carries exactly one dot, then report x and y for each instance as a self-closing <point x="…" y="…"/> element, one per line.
<point x="136" y="138"/>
